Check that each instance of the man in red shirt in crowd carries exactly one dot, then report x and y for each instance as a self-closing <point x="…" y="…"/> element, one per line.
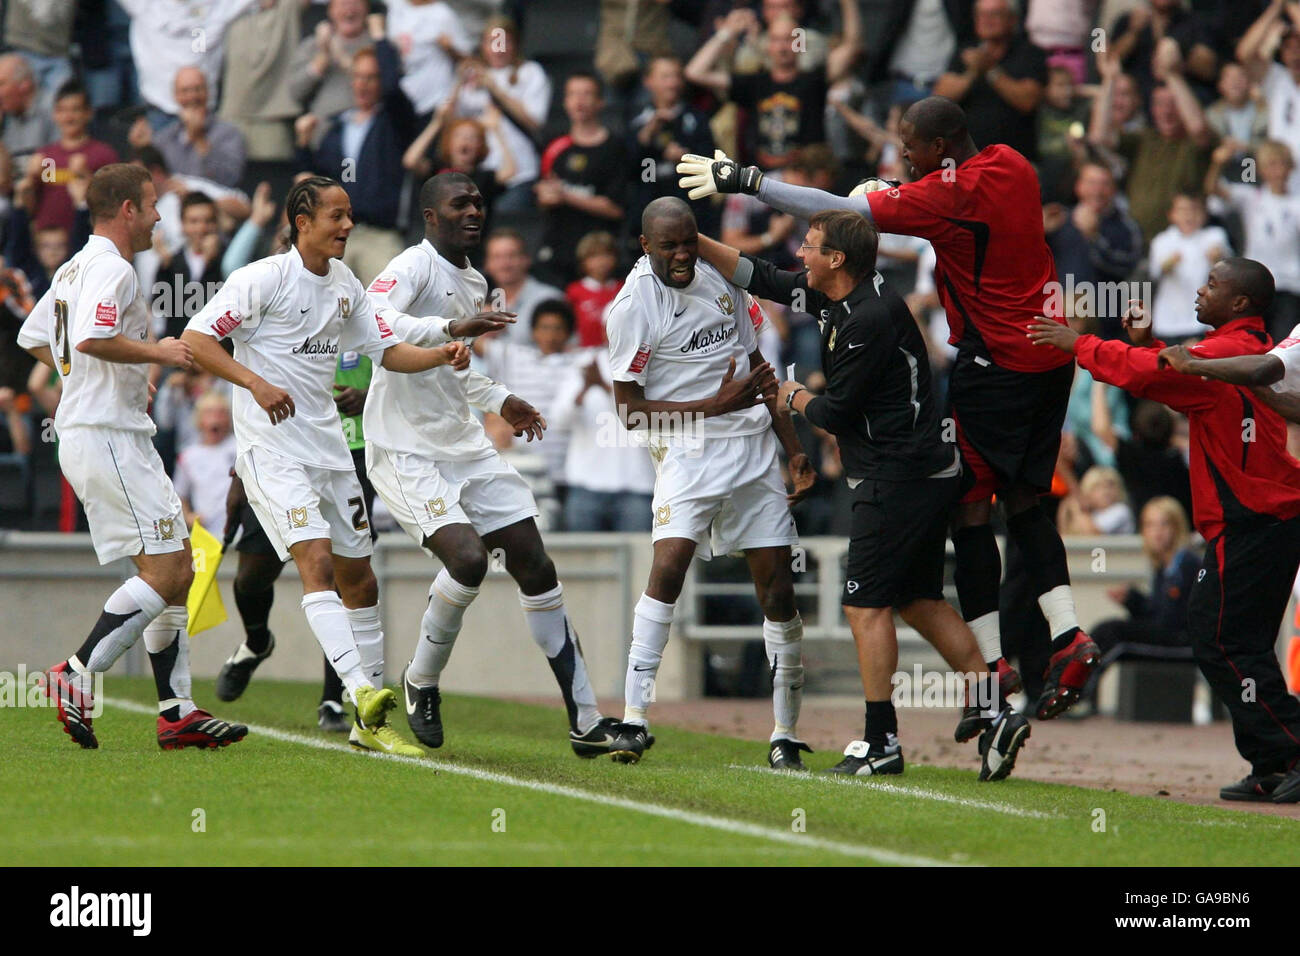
<point x="1245" y="503"/>
<point x="994" y="275"/>
<point x="75" y="154"/>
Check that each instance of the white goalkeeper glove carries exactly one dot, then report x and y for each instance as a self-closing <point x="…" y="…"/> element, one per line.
<point x="871" y="186"/>
<point x="704" y="176"/>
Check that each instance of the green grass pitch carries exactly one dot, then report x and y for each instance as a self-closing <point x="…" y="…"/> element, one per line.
<point x="506" y="790"/>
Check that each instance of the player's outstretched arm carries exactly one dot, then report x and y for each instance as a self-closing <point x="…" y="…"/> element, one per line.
<point x="211" y="357"/>
<point x="637" y="411"/>
<point x="702" y="176"/>
<point x="1286" y="404"/>
<point x="126" y="351"/>
<point x="404" y="357"/>
<point x="1254" y="370"/>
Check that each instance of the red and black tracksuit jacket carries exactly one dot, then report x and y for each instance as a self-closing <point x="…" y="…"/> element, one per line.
<point x="1246" y="504"/>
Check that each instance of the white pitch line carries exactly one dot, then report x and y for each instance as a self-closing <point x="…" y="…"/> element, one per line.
<point x="835" y="781"/>
<point x="803" y="840"/>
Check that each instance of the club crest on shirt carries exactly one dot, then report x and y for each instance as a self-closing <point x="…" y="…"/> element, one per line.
<point x="345" y="306"/>
<point x="662" y="515"/>
<point x="576" y="162"/>
<point x="725" y="304"/>
<point x="69" y="272"/>
<point x="436" y="507"/>
<point x="298" y="517"/>
<point x="164" y="529"/>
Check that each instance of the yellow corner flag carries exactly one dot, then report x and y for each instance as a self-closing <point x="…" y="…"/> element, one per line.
<point x="204" y="601"/>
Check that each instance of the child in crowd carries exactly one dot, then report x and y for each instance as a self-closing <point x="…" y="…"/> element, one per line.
<point x="1100" y="507"/>
<point x="202" y="475"/>
<point x="591" y="294"/>
<point x="1180" y="257"/>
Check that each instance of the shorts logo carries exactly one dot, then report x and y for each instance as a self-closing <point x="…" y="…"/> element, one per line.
<point x="298" y="517"/>
<point x="436" y="507"/>
<point x="851" y="586"/>
<point x="163" y="527"/>
<point x="725" y="304"/>
<point x="383" y="283"/>
<point x="663" y="514"/>
<point x="227" y="322"/>
<point x="640" y="359"/>
<point x="345" y="307"/>
<point x="106" y="314"/>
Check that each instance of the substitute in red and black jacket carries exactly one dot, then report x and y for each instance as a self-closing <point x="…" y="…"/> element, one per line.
<point x="1245" y="503"/>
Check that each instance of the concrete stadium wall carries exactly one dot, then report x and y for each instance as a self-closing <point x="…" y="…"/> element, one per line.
<point x="52" y="589"/>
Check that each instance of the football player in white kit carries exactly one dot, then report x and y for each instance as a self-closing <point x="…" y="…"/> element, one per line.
<point x="676" y="330"/>
<point x="92" y="327"/>
<point x="440" y="477"/>
<point x="289" y="316"/>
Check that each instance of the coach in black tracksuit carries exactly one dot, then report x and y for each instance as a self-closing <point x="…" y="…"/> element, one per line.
<point x="905" y="478"/>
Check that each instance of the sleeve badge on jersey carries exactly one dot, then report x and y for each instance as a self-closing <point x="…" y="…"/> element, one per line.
<point x="640" y="359"/>
<point x="106" y="314"/>
<point x="1289" y="341"/>
<point x="755" y="314"/>
<point x="384" y="330"/>
<point x="383" y="283"/>
<point x="227" y="322"/>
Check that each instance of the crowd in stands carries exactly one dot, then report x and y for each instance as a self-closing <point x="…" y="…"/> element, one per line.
<point x="1165" y="133"/>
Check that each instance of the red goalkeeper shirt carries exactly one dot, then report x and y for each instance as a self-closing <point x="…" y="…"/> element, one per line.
<point x="994" y="271"/>
<point x="1240" y="467"/>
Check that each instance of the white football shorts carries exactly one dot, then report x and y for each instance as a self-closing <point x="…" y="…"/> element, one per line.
<point x="130" y="503"/>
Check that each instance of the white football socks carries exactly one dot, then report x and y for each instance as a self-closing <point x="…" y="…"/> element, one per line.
<point x="329" y="622"/>
<point x="1058" y="607"/>
<point x="368" y="634"/>
<point x="651" y="620"/>
<point x="548" y="622"/>
<point x="988" y="635"/>
<point x="169" y="655"/>
<point x="127" y="612"/>
<point x="783" y="644"/>
<point x="448" y="601"/>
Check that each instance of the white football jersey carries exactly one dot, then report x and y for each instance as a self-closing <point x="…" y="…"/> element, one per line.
<point x="428" y="413"/>
<point x="94" y="295"/>
<point x="289" y="326"/>
<point x="676" y="343"/>
<point x="1288" y="350"/>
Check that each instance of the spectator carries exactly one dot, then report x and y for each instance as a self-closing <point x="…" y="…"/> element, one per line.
<point x="591" y="294"/>
<point x="536" y="373"/>
<point x="173" y="411"/>
<point x="609" y="474"/>
<point x="28" y="123"/>
<point x="72" y="115"/>
<point x="1279" y="83"/>
<point x="507" y="263"/>
<point x="196" y="143"/>
<point x="202" y="474"/>
<point x="584" y="178"/>
<point x="1238" y="117"/>
<point x="1159" y="617"/>
<point x="320" y="79"/>
<point x="255" y="94"/>
<point x="663" y="132"/>
<point x="255" y="235"/>
<point x="192" y="272"/>
<point x="1149" y="462"/>
<point x="1099" y="507"/>
<point x="916" y="42"/>
<point x="431" y="41"/>
<point x="1180" y="257"/>
<point x="169" y="35"/>
<point x="102" y="31"/>
<point x="785" y="106"/>
<point x="1139" y="33"/>
<point x="628" y="33"/>
<point x="1271" y="216"/>
<point x="37" y="253"/>
<point x="363" y="150"/>
<point x="1096" y="242"/>
<point x="751" y="51"/>
<point x="1061" y="28"/>
<point x="520" y="90"/>
<point x="1170" y="157"/>
<point x="998" y="80"/>
<point x="1061" y="120"/>
<point x="463" y="146"/>
<point x="42" y="33"/>
<point x="1097" y="414"/>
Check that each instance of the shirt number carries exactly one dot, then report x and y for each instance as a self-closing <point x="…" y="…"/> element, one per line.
<point x="61" y="336"/>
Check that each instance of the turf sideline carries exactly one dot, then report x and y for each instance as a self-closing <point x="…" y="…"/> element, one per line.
<point x="878" y="854"/>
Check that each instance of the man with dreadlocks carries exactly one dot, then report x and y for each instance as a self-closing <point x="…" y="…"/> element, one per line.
<point x="289" y="315"/>
<point x="438" y="474"/>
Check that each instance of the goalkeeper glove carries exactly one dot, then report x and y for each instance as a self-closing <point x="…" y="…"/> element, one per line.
<point x="704" y="176"/>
